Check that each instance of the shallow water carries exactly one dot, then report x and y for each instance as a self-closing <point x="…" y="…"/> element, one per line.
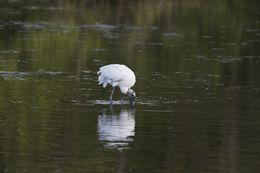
<point x="198" y="86"/>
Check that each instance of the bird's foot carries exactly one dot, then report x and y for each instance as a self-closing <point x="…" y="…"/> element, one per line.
<point x="111" y="101"/>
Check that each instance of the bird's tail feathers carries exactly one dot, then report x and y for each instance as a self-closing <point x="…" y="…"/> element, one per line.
<point x="105" y="84"/>
<point x="102" y="80"/>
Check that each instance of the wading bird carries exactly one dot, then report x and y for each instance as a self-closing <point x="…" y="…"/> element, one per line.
<point x="118" y="75"/>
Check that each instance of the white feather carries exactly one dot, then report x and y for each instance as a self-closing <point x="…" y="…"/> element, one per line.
<point x="116" y="75"/>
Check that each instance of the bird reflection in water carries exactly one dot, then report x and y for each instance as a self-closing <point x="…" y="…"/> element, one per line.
<point x="116" y="130"/>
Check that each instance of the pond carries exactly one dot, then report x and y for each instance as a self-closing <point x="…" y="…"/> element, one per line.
<point x="197" y="65"/>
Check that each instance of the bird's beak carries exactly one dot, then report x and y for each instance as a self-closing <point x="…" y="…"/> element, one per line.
<point x="132" y="99"/>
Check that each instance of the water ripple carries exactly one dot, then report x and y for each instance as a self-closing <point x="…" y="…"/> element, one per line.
<point x="13" y="75"/>
<point x="9" y="51"/>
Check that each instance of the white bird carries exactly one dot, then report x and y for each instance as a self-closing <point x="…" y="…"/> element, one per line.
<point x="118" y="75"/>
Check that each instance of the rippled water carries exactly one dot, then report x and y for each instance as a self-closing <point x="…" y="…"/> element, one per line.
<point x="198" y="86"/>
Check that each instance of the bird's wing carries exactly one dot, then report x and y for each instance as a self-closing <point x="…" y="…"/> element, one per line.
<point x="111" y="74"/>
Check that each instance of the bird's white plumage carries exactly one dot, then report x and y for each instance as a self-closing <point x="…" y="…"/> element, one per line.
<point x="116" y="75"/>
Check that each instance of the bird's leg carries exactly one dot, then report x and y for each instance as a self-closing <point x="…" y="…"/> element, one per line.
<point x="112" y="95"/>
<point x="121" y="96"/>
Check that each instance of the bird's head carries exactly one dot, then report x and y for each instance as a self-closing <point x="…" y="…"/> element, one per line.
<point x="131" y="95"/>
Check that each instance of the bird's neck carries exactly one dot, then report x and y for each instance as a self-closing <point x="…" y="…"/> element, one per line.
<point x="129" y="91"/>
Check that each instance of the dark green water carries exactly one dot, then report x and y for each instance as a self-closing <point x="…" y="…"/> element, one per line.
<point x="197" y="65"/>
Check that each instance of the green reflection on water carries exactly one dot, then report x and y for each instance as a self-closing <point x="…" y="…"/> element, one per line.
<point x="197" y="66"/>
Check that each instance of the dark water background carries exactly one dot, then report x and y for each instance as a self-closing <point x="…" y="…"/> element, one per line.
<point x="197" y="65"/>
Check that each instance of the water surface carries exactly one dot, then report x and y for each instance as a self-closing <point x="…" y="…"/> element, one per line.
<point x="198" y="86"/>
